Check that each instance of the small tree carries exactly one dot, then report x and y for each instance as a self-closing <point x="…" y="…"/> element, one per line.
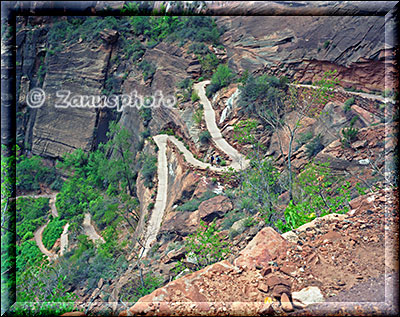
<point x="317" y="192"/>
<point x="120" y="165"/>
<point x="259" y="186"/>
<point x="305" y="105"/>
<point x="205" y="246"/>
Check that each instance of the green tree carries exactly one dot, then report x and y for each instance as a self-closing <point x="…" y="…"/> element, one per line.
<point x="120" y="164"/>
<point x="259" y="183"/>
<point x="317" y="192"/>
<point x="41" y="292"/>
<point x="221" y="78"/>
<point x="304" y="104"/>
<point x="204" y="247"/>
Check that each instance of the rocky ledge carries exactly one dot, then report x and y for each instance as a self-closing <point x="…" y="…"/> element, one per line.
<point x="298" y="272"/>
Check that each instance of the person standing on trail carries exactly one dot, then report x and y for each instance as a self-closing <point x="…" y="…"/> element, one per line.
<point x="212" y="159"/>
<point x="218" y="160"/>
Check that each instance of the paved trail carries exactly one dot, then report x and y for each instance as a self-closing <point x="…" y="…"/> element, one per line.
<point x="89" y="230"/>
<point x="38" y="239"/>
<point x="238" y="162"/>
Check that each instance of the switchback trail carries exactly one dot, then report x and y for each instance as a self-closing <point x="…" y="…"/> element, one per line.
<point x="88" y="228"/>
<point x="238" y="162"/>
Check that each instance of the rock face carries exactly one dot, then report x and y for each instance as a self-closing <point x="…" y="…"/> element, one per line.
<point x="80" y="69"/>
<point x="304" y="47"/>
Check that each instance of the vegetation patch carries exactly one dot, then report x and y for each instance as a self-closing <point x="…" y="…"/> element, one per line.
<point x="31" y="214"/>
<point x="52" y="232"/>
<point x="31" y="172"/>
<point x="194" y="204"/>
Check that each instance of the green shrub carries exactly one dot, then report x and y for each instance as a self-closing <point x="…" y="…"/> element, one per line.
<point x="221" y="78"/>
<point x="195" y="97"/>
<point x="149" y="169"/>
<point x="198" y="48"/>
<point x="150" y="206"/>
<point x="31" y="172"/>
<point x="303" y="138"/>
<point x="136" y="289"/>
<point x="230" y="218"/>
<point x="347" y="104"/>
<point x="349" y="136"/>
<point x="247" y="203"/>
<point x="326" y="44"/>
<point x="194" y="204"/>
<point x="104" y="211"/>
<point x="145" y="134"/>
<point x="198" y="116"/>
<point x="146" y="115"/>
<point x="205" y="137"/>
<point x="187" y="83"/>
<point x="31" y="213"/>
<point x="57" y="184"/>
<point x="148" y="69"/>
<point x="28" y="254"/>
<point x="349" y="133"/>
<point x="314" y="146"/>
<point x="208" y="63"/>
<point x="151" y="43"/>
<point x="190" y="205"/>
<point x="206" y="245"/>
<point x="249" y="222"/>
<point x="52" y="232"/>
<point x="211" y="89"/>
<point x="262" y="94"/>
<point x="195" y="28"/>
<point x="317" y="193"/>
<point x="233" y="234"/>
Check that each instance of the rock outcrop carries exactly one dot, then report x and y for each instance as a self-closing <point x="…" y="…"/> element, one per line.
<point x="277" y="274"/>
<point x="304" y="47"/>
<point x="80" y="70"/>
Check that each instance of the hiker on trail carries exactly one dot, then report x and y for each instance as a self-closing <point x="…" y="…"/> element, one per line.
<point x="212" y="159"/>
<point x="218" y="160"/>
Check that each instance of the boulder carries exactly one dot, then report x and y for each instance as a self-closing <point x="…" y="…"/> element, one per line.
<point x="285" y="303"/>
<point x="309" y="295"/>
<point x="110" y="36"/>
<point x="265" y="246"/>
<point x="215" y="207"/>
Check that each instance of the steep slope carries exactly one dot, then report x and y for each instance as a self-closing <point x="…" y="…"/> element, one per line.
<point x="328" y="254"/>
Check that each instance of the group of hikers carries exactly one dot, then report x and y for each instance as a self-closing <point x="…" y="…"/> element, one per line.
<point x="217" y="160"/>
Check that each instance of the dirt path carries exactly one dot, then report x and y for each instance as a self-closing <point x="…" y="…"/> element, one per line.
<point x="238" y="162"/>
<point x="38" y="239"/>
<point x="52" y="204"/>
<point x="89" y="230"/>
<point x="39" y="232"/>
